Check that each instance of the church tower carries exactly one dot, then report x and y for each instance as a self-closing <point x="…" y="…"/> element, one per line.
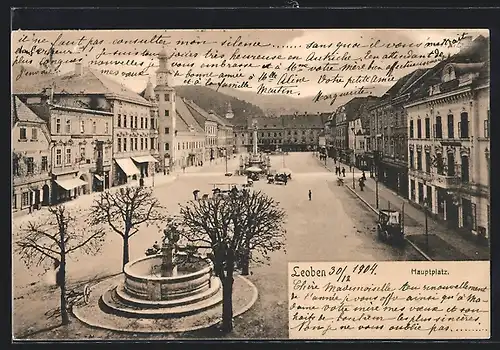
<point x="229" y="113"/>
<point x="165" y="97"/>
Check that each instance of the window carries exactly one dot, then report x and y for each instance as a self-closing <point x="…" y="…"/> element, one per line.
<point x="439" y="163"/>
<point x="167" y="146"/>
<point x="68" y="126"/>
<point x="427" y="128"/>
<point x="167" y="131"/>
<point x="438" y="128"/>
<point x="427" y="162"/>
<point x="152" y="123"/>
<point x="82" y="126"/>
<point x="412" y="190"/>
<point x="22" y="133"/>
<point x="124" y="144"/>
<point x="166" y="113"/>
<point x="136" y="144"/>
<point x="146" y="143"/>
<point x="136" y="121"/>
<point x="419" y="160"/>
<point x="25" y="199"/>
<point x="58" y="157"/>
<point x="465" y="169"/>
<point x="167" y="97"/>
<point x="151" y="142"/>
<point x="451" y="164"/>
<point x="142" y="123"/>
<point x="82" y="152"/>
<point x="132" y="122"/>
<point x="94" y="127"/>
<point x="106" y="128"/>
<point x="124" y="121"/>
<point x="145" y="123"/>
<point x="34" y="134"/>
<point x="268" y="134"/>
<point x="157" y="97"/>
<point x="412" y="159"/>
<point x="451" y="131"/>
<point x="142" y="144"/>
<point x="29" y="166"/>
<point x="44" y="164"/>
<point x="419" y="128"/>
<point x="68" y="156"/>
<point x="119" y="120"/>
<point x="119" y="144"/>
<point x="58" y="125"/>
<point x="464" y="125"/>
<point x="178" y="145"/>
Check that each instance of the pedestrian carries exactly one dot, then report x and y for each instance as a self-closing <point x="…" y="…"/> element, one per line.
<point x="343" y="171"/>
<point x="310" y="194"/>
<point x="363" y="176"/>
<point x="195" y="194"/>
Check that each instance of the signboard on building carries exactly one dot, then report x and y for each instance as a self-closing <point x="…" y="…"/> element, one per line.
<point x="322" y="141"/>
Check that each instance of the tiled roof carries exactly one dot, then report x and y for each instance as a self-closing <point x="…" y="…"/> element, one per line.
<point x="266" y="122"/>
<point x="89" y="82"/>
<point x="198" y="113"/>
<point x="303" y="121"/>
<point x="21" y="112"/>
<point x="185" y="119"/>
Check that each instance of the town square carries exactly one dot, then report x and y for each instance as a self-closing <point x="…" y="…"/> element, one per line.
<point x="173" y="210"/>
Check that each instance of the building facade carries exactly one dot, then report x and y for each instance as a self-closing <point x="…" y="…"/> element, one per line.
<point x="167" y="114"/>
<point x="31" y="181"/>
<point x="301" y="131"/>
<point x="389" y="133"/>
<point x="449" y="148"/>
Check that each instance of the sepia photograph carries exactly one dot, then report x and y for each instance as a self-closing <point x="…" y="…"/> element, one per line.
<point x="208" y="184"/>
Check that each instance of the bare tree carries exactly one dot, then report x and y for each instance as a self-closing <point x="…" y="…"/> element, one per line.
<point x="232" y="227"/>
<point x="125" y="211"/>
<point x="51" y="241"/>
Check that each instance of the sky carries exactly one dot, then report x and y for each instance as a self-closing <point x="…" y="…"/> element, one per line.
<point x="137" y="49"/>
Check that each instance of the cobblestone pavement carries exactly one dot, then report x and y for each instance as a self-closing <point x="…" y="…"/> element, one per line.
<point x="415" y="219"/>
<point x="330" y="227"/>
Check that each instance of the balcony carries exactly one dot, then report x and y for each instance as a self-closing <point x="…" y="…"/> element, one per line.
<point x="446" y="181"/>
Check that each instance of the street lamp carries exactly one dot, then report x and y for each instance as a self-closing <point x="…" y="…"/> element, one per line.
<point x="426" y="206"/>
<point x="376" y="177"/>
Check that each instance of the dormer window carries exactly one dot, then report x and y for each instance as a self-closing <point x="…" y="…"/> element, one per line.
<point x="448" y="74"/>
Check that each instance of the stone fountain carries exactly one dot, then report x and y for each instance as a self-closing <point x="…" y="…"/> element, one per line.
<point x="168" y="284"/>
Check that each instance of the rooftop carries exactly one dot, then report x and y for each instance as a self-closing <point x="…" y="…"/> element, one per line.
<point x="22" y="113"/>
<point x="87" y="82"/>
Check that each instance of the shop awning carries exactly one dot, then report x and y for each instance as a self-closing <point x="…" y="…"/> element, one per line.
<point x="145" y="159"/>
<point x="99" y="177"/>
<point x="127" y="166"/>
<point x="70" y="183"/>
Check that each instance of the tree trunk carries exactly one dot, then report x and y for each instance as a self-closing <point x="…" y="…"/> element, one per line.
<point x="227" y="304"/>
<point x="227" y="294"/>
<point x="62" y="287"/>
<point x="125" y="251"/>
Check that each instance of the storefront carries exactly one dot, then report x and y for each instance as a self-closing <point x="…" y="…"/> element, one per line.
<point x="67" y="187"/>
<point x="145" y="165"/>
<point x="126" y="170"/>
<point x="394" y="175"/>
<point x="34" y="194"/>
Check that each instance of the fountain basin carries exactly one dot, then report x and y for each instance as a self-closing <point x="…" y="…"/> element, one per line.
<point x="143" y="280"/>
<point x="144" y="293"/>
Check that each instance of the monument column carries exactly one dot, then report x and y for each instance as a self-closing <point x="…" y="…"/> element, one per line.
<point x="255" y="150"/>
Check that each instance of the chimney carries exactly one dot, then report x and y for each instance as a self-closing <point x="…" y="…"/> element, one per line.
<point x="78" y="69"/>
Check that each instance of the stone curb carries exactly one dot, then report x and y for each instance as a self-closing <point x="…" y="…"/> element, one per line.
<point x="414" y="246"/>
<point x="179" y="330"/>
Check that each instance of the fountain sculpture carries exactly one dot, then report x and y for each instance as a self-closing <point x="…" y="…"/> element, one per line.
<point x="171" y="283"/>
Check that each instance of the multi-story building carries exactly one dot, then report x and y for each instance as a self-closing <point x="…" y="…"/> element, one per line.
<point x="30" y="158"/>
<point x="90" y="92"/>
<point x="208" y="122"/>
<point x="167" y="117"/>
<point x="388" y="137"/>
<point x="449" y="134"/>
<point x="270" y="133"/>
<point x="190" y="137"/>
<point x="301" y="131"/>
<point x="81" y="143"/>
<point x="150" y="95"/>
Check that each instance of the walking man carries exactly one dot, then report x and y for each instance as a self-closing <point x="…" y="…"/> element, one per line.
<point x="310" y="194"/>
<point x="343" y="171"/>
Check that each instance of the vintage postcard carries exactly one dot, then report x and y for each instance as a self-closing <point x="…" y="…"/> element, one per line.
<point x="251" y="184"/>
